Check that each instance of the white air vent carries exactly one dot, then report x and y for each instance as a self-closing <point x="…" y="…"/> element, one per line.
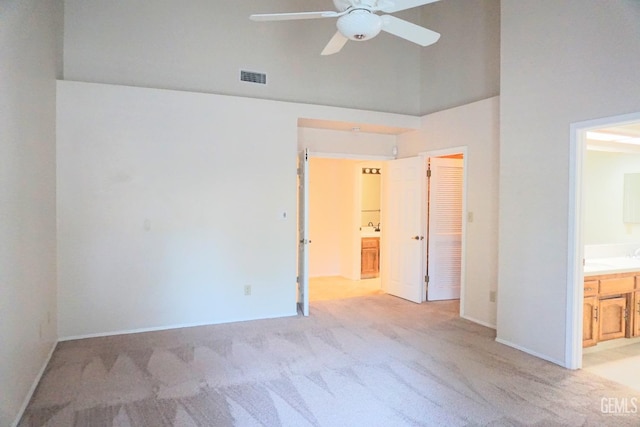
<point x="253" y="77"/>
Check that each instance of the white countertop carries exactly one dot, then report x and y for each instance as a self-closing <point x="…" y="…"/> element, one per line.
<point x="369" y="232"/>
<point x="596" y="266"/>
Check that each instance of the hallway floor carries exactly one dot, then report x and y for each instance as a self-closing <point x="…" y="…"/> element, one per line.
<point x="336" y="287"/>
<point x="615" y="362"/>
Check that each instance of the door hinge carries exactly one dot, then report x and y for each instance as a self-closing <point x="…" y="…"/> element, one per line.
<point x="429" y="173"/>
<point x="299" y="171"/>
<point x="297" y="279"/>
<point x="426" y="279"/>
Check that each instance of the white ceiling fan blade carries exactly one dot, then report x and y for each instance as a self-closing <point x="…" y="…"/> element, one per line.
<point x="292" y="16"/>
<point x="336" y="44"/>
<point x="409" y="31"/>
<point x="391" y="6"/>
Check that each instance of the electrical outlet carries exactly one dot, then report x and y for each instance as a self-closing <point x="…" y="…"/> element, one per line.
<point x="247" y="290"/>
<point x="492" y="296"/>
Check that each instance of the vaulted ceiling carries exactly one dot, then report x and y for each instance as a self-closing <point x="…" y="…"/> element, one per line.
<point x="201" y="45"/>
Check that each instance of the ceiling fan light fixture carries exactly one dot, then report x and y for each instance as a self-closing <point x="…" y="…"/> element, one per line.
<point x="359" y="25"/>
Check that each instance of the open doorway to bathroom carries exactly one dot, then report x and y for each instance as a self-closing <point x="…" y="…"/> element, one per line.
<point x="344" y="228"/>
<point x="606" y="270"/>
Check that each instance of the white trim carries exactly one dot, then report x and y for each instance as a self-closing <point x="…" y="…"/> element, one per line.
<point x="32" y="390"/>
<point x="575" y="252"/>
<point x="531" y="352"/>
<point x="445" y="151"/>
<point x="349" y="156"/>
<point x="168" y="327"/>
<point x="464" y="150"/>
<point x="479" y="322"/>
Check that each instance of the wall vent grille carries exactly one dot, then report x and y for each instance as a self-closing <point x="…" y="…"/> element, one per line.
<point x="253" y="77"/>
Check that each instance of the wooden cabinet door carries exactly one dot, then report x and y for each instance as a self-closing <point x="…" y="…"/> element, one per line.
<point x="370" y="258"/>
<point x="635" y="309"/>
<point x="590" y="322"/>
<point x="612" y="318"/>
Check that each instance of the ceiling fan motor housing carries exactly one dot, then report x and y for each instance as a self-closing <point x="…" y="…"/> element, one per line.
<point x="359" y="25"/>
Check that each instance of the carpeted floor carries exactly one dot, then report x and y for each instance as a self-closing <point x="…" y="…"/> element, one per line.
<point x="370" y="361"/>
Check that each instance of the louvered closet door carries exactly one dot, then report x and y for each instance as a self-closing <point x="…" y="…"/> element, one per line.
<point x="445" y="229"/>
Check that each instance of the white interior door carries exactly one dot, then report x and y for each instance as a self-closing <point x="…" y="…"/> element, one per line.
<point x="444" y="255"/>
<point x="402" y="233"/>
<point x="303" y="232"/>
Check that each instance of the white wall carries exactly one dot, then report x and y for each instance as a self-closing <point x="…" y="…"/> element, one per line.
<point x="350" y="144"/>
<point x="200" y="45"/>
<point x="603" y="197"/>
<point x="170" y="202"/>
<point x="562" y="62"/>
<point x="474" y="126"/>
<point x="30" y="36"/>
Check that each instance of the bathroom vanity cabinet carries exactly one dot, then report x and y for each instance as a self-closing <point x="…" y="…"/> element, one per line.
<point x="370" y="257"/>
<point x="611" y="307"/>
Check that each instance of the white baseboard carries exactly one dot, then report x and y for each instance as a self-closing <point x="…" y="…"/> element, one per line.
<point x="531" y="352"/>
<point x="168" y="327"/>
<point x="32" y="390"/>
<point x="479" y="322"/>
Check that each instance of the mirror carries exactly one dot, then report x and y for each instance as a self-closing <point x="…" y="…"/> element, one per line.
<point x="631" y="200"/>
<point x="370" y="207"/>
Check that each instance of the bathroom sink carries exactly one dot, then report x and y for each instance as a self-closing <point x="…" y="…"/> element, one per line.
<point x="369" y="232"/>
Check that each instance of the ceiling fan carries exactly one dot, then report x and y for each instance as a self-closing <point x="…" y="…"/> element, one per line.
<point x="358" y="20"/>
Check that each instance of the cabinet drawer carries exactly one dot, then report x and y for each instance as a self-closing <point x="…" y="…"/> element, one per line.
<point x="620" y="285"/>
<point x="370" y="242"/>
<point x="590" y="288"/>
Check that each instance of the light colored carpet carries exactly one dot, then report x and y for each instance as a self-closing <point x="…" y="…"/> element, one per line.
<point x="370" y="361"/>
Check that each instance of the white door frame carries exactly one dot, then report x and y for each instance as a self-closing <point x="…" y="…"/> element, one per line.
<point x="463" y="262"/>
<point x="575" y="252"/>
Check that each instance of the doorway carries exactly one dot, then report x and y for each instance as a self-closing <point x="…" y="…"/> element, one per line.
<point x="417" y="275"/>
<point x="338" y="188"/>
<point x="445" y="226"/>
<point x="594" y="310"/>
